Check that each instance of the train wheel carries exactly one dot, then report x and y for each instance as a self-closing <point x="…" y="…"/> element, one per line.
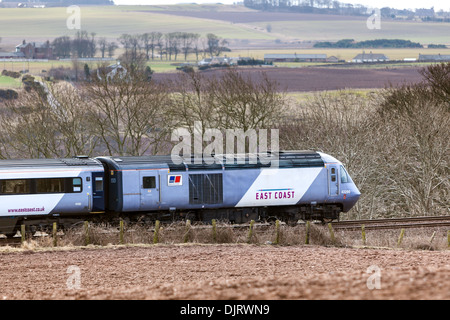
<point x="272" y="220"/>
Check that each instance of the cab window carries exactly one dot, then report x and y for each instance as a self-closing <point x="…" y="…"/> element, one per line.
<point x="344" y="175"/>
<point x="149" y="182"/>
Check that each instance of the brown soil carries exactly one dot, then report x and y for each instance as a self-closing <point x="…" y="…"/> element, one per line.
<point x="225" y="272"/>
<point x="318" y="79"/>
<point x="251" y="17"/>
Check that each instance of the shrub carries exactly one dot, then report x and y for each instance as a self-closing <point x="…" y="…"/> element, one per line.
<point x="8" y="94"/>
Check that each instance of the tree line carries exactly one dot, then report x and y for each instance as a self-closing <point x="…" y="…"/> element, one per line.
<point x="308" y="6"/>
<point x="151" y="45"/>
<point x="342" y="8"/>
<point x="128" y="114"/>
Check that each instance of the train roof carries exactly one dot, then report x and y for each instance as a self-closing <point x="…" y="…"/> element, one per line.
<point x="285" y="159"/>
<point x="45" y="163"/>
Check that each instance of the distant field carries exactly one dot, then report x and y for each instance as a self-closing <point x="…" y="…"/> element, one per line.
<point x="235" y="23"/>
<point x="17" y="24"/>
<point x="343" y="54"/>
<point x="323" y="30"/>
<point x="244" y="28"/>
<point x="9" y="83"/>
<point x="319" y="79"/>
<point x="321" y="27"/>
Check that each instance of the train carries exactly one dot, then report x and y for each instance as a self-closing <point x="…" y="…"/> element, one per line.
<point x="303" y="185"/>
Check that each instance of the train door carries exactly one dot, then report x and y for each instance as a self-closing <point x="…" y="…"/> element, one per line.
<point x="150" y="190"/>
<point x="98" y="192"/>
<point x="333" y="181"/>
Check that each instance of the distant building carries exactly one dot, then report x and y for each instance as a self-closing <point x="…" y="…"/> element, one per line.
<point x="12" y="55"/>
<point x="425" y="13"/>
<point x="205" y="62"/>
<point x="111" y="71"/>
<point x="219" y="60"/>
<point x="434" y="57"/>
<point x="370" y="57"/>
<point x="35" y="50"/>
<point x="268" y="58"/>
<point x="332" y="59"/>
<point x="222" y="60"/>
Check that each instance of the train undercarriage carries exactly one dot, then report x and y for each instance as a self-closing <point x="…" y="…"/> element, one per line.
<point x="288" y="214"/>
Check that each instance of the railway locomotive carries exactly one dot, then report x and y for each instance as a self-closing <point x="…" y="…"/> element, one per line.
<point x="303" y="185"/>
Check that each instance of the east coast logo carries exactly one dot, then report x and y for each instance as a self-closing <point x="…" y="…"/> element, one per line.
<point x="275" y="194"/>
<point x="175" y="180"/>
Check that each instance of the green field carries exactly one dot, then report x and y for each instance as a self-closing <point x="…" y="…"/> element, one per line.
<point x="9" y="83"/>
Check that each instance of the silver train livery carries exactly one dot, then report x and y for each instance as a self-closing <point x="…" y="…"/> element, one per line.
<point x="304" y="185"/>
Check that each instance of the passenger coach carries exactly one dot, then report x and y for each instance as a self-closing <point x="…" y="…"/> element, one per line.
<point x="43" y="188"/>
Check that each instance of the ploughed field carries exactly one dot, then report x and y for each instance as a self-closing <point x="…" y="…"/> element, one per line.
<point x="325" y="78"/>
<point x="224" y="272"/>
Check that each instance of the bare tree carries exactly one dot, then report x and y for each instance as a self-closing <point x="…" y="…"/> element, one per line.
<point x="47" y="125"/>
<point x="103" y="46"/>
<point x="155" y="40"/>
<point x="147" y="44"/>
<point x="187" y="40"/>
<point x="129" y="113"/>
<point x="112" y="46"/>
<point x="215" y="44"/>
<point x="196" y="45"/>
<point x="192" y="102"/>
<point x="246" y="102"/>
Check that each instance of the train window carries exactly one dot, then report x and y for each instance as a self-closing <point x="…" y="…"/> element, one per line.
<point x="149" y="183"/>
<point x="98" y="184"/>
<point x="15" y="187"/>
<point x="76" y="184"/>
<point x="333" y="178"/>
<point x="333" y="171"/>
<point x="41" y="186"/>
<point x="344" y="175"/>
<point x="50" y="185"/>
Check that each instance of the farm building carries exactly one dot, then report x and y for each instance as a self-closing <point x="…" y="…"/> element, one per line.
<point x="222" y="60"/>
<point x="268" y="58"/>
<point x="370" y="57"/>
<point x="332" y="59"/>
<point x="434" y="57"/>
<point x="35" y="50"/>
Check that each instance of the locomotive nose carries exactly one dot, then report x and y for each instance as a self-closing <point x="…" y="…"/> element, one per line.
<point x="353" y="197"/>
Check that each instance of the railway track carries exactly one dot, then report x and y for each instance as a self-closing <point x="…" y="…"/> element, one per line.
<point x="375" y="224"/>
<point x="394" y="223"/>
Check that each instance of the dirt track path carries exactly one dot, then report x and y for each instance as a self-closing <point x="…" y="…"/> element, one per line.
<point x="225" y="272"/>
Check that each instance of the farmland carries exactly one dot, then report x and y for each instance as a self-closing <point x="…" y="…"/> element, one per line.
<point x="323" y="79"/>
<point x="236" y="24"/>
<point x="224" y="272"/>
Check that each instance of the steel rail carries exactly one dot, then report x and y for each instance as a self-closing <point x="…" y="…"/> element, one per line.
<point x="395" y="223"/>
